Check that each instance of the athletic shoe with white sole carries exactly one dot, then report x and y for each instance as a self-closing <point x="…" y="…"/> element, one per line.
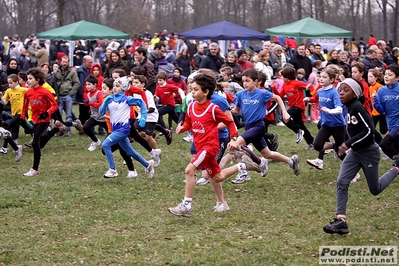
<point x="3" y="150"/>
<point x="202" y="181"/>
<point x="317" y="163"/>
<point x="111" y="173"/>
<point x="180" y="210"/>
<point x="132" y="174"/>
<point x="18" y="153"/>
<point x="156" y="156"/>
<point x="264" y="167"/>
<point x="189" y="138"/>
<point x="241" y="177"/>
<point x="4" y="133"/>
<point x="294" y="164"/>
<point x="94" y="145"/>
<point x="31" y="172"/>
<point x="299" y="136"/>
<point x="150" y="169"/>
<point x="356" y="178"/>
<point x="221" y="207"/>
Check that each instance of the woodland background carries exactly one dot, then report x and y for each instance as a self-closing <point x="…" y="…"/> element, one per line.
<point x="362" y="17"/>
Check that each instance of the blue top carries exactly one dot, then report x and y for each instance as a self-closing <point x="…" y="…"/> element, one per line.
<point x="252" y="105"/>
<point x="118" y="106"/>
<point x="224" y="106"/>
<point x="387" y="102"/>
<point x="329" y="97"/>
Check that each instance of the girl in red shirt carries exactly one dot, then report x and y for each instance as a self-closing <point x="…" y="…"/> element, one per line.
<point x="43" y="105"/>
<point x="294" y="90"/>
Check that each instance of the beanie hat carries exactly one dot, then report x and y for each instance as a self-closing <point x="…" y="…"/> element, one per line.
<point x="178" y="69"/>
<point x="277" y="47"/>
<point x="123" y="82"/>
<point x="251" y="49"/>
<point x="354" y="86"/>
<point x="240" y="53"/>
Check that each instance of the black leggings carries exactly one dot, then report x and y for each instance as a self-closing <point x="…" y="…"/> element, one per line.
<point x="39" y="136"/>
<point x="88" y="127"/>
<point x="296" y="123"/>
<point x="137" y="137"/>
<point x="325" y="132"/>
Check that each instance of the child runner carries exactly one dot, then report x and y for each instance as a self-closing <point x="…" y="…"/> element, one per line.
<point x="107" y="86"/>
<point x="385" y="101"/>
<point x="203" y="118"/>
<point x="332" y="119"/>
<point x="252" y="103"/>
<point x="375" y="78"/>
<point x="362" y="153"/>
<point x="94" y="100"/>
<point x="294" y="90"/>
<point x="118" y="106"/>
<point x="42" y="105"/>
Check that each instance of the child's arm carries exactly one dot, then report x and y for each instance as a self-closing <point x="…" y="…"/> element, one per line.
<point x="181" y="93"/>
<point x="226" y="120"/>
<point x="2" y="98"/>
<point x="104" y="107"/>
<point x="143" y="109"/>
<point x="377" y="103"/>
<point x="184" y="126"/>
<point x="24" y="108"/>
<point x="280" y="102"/>
<point x="53" y="103"/>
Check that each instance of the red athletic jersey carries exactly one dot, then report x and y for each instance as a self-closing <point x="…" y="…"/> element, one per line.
<point x="203" y="120"/>
<point x="40" y="101"/>
<point x="294" y="90"/>
<point x="165" y="94"/>
<point x="134" y="90"/>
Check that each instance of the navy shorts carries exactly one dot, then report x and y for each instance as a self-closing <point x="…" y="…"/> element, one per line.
<point x="254" y="133"/>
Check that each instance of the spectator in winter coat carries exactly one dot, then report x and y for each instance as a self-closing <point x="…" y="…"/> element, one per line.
<point x="183" y="61"/>
<point x="242" y="60"/>
<point x="300" y="60"/>
<point x="231" y="61"/>
<point x="199" y="56"/>
<point x="213" y="60"/>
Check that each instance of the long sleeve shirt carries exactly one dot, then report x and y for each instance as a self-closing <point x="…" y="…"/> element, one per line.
<point x="40" y="101"/>
<point x="387" y="101"/>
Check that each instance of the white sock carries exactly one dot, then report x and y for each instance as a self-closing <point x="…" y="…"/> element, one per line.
<point x="187" y="202"/>
<point x="241" y="166"/>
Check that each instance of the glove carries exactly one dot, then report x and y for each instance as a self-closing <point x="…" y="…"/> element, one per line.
<point x="142" y="122"/>
<point x="86" y="101"/>
<point x="43" y="115"/>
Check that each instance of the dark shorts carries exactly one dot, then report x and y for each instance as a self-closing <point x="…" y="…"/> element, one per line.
<point x="148" y="129"/>
<point x="254" y="133"/>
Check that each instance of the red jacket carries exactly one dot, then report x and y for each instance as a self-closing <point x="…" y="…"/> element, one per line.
<point x="294" y="90"/>
<point x="40" y="100"/>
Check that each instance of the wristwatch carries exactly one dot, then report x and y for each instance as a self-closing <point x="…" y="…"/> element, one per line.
<point x="234" y="138"/>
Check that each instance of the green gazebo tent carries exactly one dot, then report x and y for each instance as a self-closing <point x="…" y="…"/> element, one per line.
<point x="83" y="30"/>
<point x="309" y="28"/>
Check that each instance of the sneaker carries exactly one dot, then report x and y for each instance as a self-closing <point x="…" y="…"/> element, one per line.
<point x="94" y="145"/>
<point x="156" y="156"/>
<point x="356" y="178"/>
<point x="60" y="126"/>
<point x="32" y="172"/>
<point x="131" y="174"/>
<point x="395" y="160"/>
<point x="299" y="136"/>
<point x="189" y="138"/>
<point x="221" y="207"/>
<point x="241" y="177"/>
<point x="150" y="169"/>
<point x="274" y="143"/>
<point x="169" y="137"/>
<point x="336" y="157"/>
<point x="264" y="167"/>
<point x="280" y="124"/>
<point x="29" y="144"/>
<point x="202" y="181"/>
<point x="3" y="150"/>
<point x="18" y="153"/>
<point x="79" y="127"/>
<point x="251" y="165"/>
<point x="317" y="163"/>
<point x="336" y="226"/>
<point x="4" y="133"/>
<point x="309" y="147"/>
<point x="238" y="153"/>
<point x="180" y="210"/>
<point x="328" y="151"/>
<point x="294" y="164"/>
<point x="111" y="173"/>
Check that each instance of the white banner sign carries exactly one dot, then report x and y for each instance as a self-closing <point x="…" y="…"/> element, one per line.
<point x="329" y="43"/>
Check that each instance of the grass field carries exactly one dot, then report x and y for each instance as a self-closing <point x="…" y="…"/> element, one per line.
<point x="71" y="215"/>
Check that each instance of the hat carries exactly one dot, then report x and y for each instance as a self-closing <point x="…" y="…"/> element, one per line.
<point x="277" y="47"/>
<point x="122" y="82"/>
<point x="32" y="35"/>
<point x="251" y="49"/>
<point x="192" y="75"/>
<point x="183" y="38"/>
<point x="5" y="38"/>
<point x="240" y="53"/>
<point x="178" y="69"/>
<point x="354" y="86"/>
